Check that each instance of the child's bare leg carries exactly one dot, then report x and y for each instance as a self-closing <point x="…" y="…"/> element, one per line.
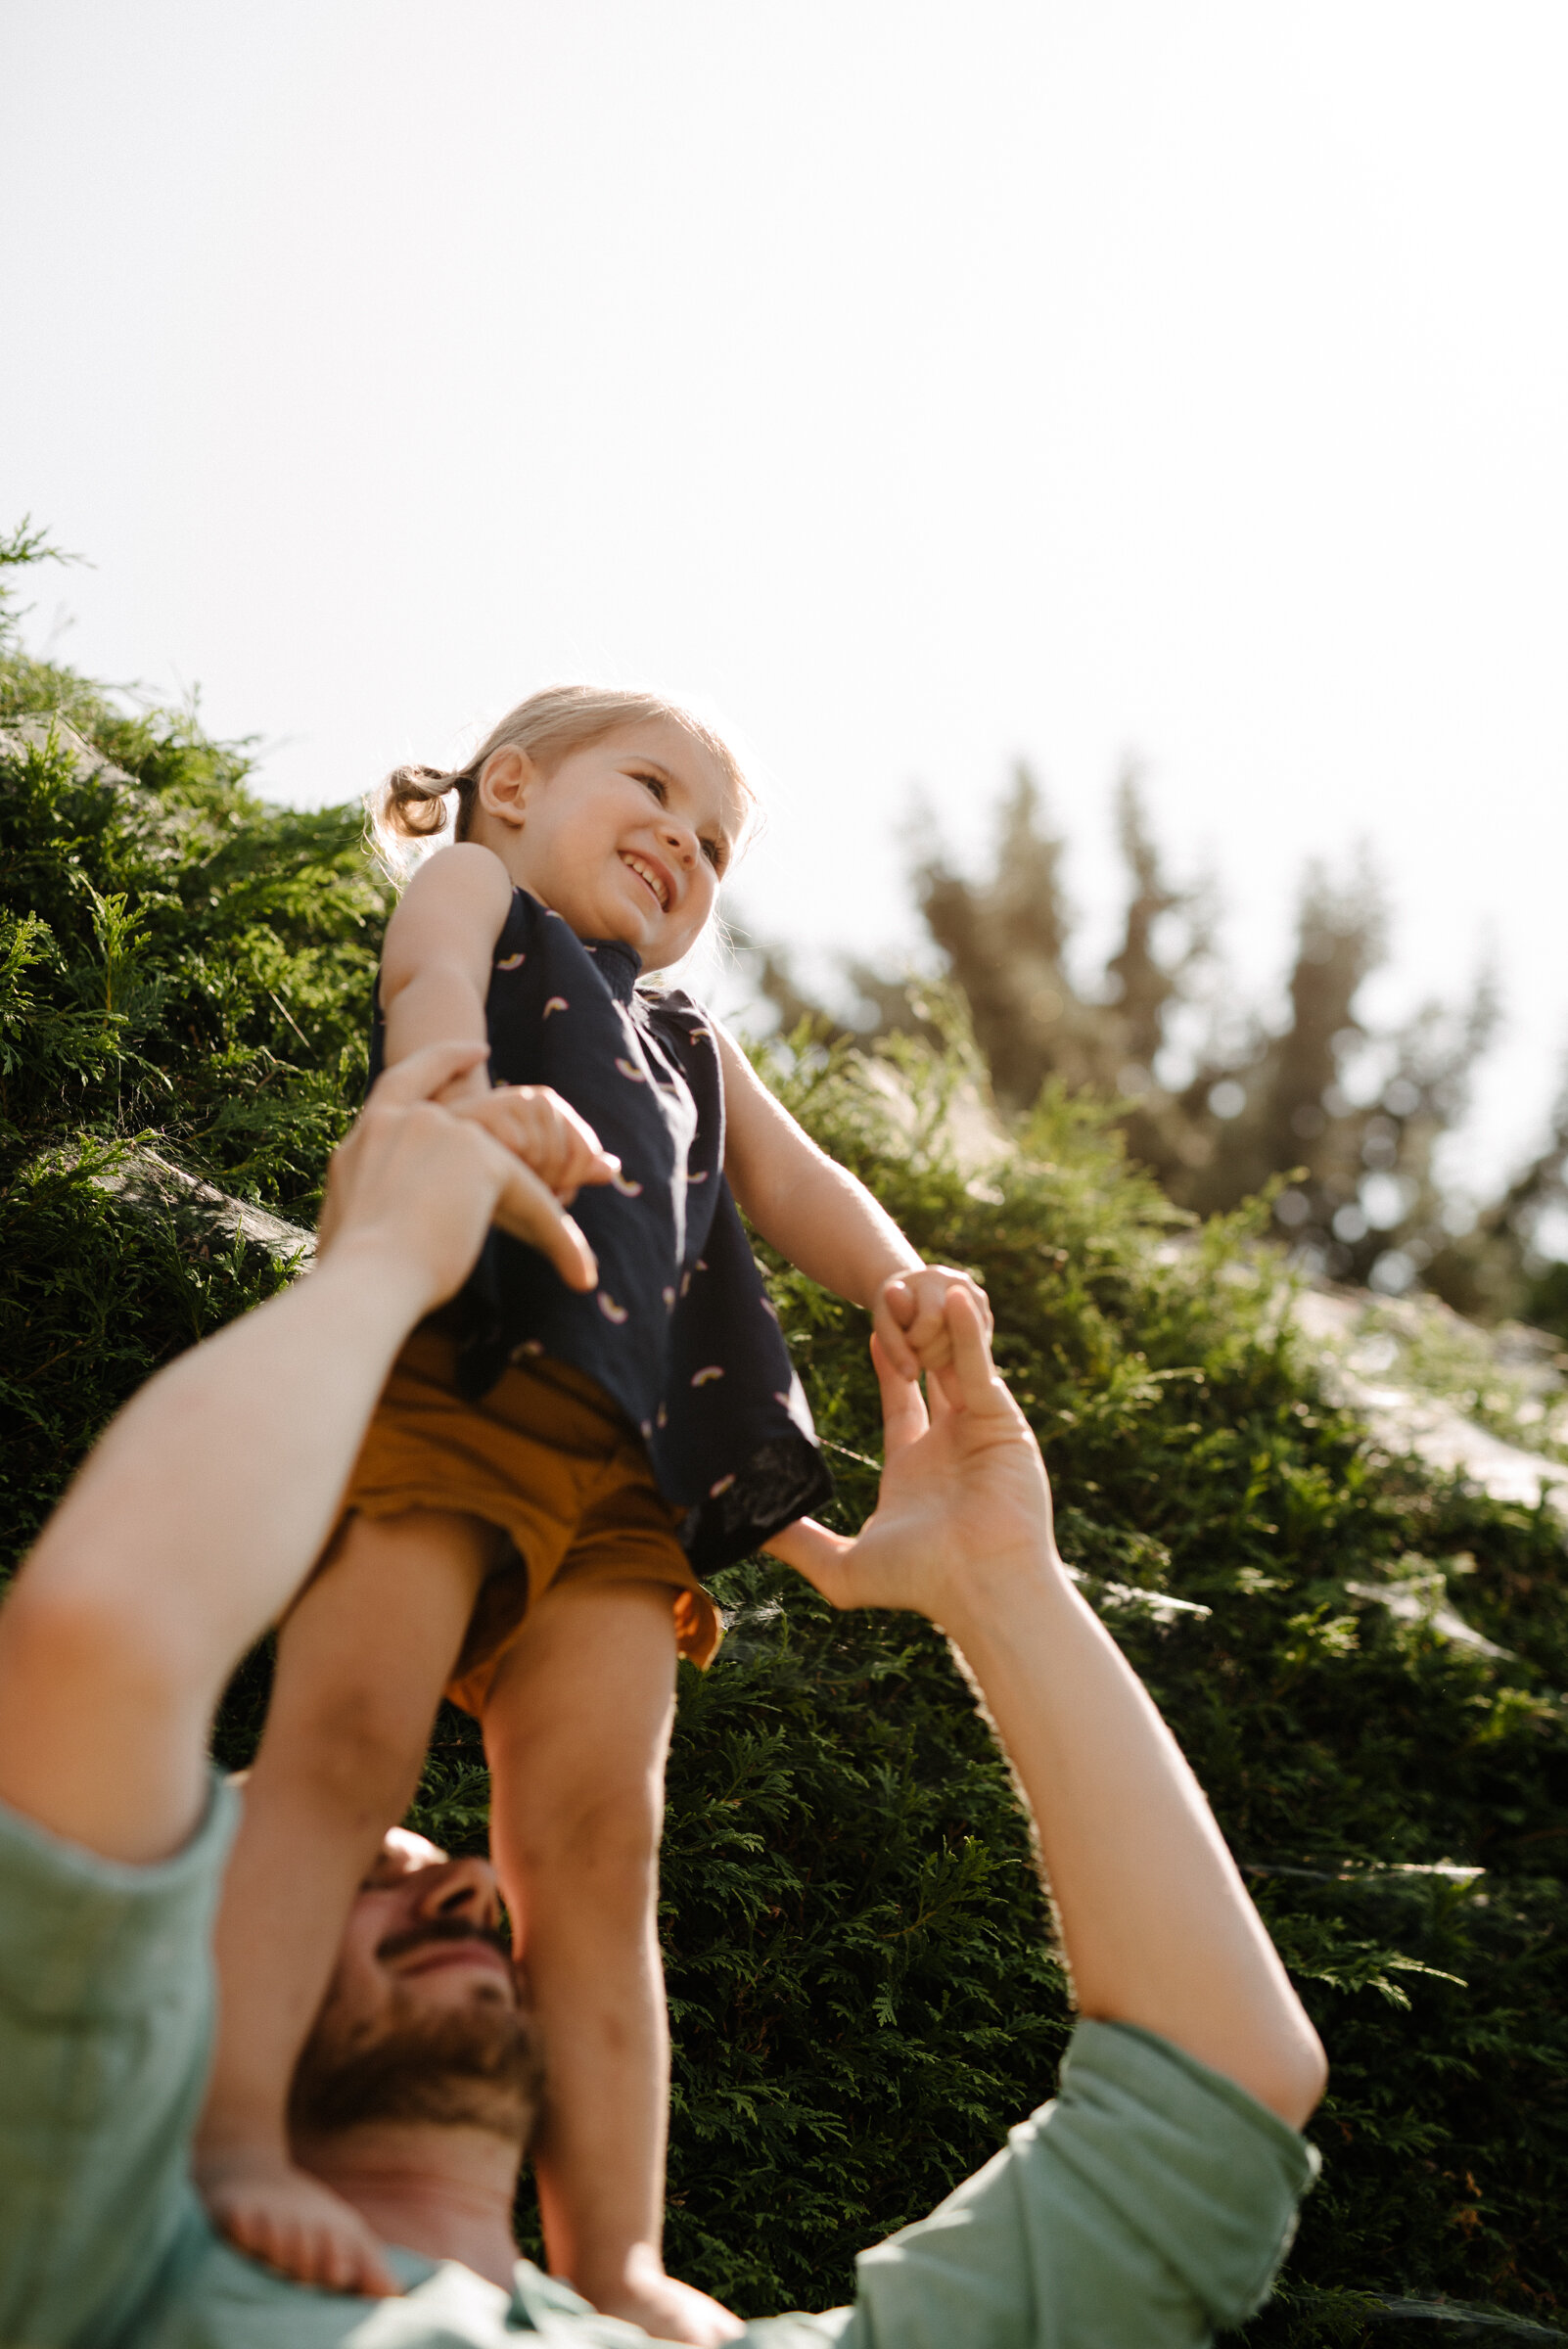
<point x="576" y="1726"/>
<point x="361" y="1663"/>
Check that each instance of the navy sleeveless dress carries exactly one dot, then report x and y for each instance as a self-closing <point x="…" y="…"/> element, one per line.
<point x="679" y="1331"/>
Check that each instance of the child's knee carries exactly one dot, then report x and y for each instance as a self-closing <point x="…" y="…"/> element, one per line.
<point x="588" y="1827"/>
<point x="359" y="1754"/>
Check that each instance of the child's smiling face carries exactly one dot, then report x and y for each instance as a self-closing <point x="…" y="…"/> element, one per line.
<point x="628" y="838"/>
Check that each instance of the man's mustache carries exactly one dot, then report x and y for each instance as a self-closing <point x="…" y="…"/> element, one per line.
<point x="442" y="1928"/>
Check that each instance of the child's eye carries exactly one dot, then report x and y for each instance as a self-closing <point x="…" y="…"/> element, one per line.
<point x="714" y="855"/>
<point x="657" y="784"/>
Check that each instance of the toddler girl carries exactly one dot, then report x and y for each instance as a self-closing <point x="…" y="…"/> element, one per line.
<point x="553" y="1471"/>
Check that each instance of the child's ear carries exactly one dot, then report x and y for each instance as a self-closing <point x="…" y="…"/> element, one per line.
<point x="505" y="781"/>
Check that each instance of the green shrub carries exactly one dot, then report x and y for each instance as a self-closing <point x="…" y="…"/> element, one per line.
<point x="862" y="1994"/>
<point x="180" y="963"/>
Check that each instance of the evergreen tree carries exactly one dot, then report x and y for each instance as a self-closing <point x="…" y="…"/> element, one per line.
<point x="1352" y="1117"/>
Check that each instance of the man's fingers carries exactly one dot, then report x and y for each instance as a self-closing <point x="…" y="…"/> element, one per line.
<point x="943" y="1398"/>
<point x="971" y="1379"/>
<point x="572" y="1257"/>
<point x="890" y="1336"/>
<point x="904" y="1410"/>
<point x="529" y="1211"/>
<point x="421" y="1077"/>
<point x="582" y="1159"/>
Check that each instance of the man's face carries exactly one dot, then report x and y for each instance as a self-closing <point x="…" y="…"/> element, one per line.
<point x="423" y="2019"/>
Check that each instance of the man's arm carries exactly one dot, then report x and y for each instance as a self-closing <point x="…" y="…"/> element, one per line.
<point x="204" y="1506"/>
<point x="1156" y="1922"/>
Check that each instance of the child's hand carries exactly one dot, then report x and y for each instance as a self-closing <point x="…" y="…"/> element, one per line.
<point x="909" y="1317"/>
<point x="545" y="1131"/>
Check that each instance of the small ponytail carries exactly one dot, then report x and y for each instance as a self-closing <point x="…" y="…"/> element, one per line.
<point x="413" y="801"/>
<point x="411" y="807"/>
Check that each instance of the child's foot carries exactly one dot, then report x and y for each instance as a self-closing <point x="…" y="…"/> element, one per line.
<point x="672" y="2311"/>
<point x="278" y="2214"/>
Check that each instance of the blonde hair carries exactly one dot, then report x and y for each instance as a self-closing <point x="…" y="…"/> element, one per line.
<point x="411" y="804"/>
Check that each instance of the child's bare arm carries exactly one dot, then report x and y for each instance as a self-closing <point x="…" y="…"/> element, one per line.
<point x="435" y="964"/>
<point x="435" y="977"/>
<point x="816" y="1213"/>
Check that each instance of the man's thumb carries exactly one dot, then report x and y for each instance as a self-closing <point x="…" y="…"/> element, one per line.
<point x="572" y="1257"/>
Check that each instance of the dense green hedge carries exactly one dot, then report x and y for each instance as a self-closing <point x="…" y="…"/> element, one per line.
<point x="862" y="1995"/>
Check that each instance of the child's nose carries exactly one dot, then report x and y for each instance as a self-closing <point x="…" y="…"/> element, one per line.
<point x="682" y="840"/>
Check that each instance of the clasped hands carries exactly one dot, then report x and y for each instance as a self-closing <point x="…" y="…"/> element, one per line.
<point x="435" y="1159"/>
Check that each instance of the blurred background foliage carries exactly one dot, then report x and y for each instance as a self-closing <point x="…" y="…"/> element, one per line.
<point x="1213" y="1097"/>
<point x="1364" y="1659"/>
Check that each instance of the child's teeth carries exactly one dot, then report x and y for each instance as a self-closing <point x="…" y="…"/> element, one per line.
<point x="643" y="874"/>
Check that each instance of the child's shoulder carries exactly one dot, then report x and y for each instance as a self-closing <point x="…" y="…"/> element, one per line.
<point x="464" y="879"/>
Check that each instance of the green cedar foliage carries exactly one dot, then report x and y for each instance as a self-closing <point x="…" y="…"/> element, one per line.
<point x="179" y="963"/>
<point x="860" y="1980"/>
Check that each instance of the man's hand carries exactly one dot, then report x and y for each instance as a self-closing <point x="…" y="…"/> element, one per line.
<point x="965" y="1505"/>
<point x="425" y="1182"/>
<point x="909" y="1317"/>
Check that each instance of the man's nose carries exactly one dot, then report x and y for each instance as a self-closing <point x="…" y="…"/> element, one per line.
<point x="464" y="1888"/>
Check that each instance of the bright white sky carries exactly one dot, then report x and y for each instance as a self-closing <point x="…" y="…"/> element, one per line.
<point x="926" y="385"/>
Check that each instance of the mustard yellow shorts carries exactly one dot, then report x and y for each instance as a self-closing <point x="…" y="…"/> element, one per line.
<point x="548" y="1457"/>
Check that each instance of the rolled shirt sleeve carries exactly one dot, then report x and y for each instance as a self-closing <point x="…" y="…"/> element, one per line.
<point x="1147" y="2206"/>
<point x="106" y="2018"/>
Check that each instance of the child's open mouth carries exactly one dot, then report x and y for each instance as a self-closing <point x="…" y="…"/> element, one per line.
<point x="654" y="880"/>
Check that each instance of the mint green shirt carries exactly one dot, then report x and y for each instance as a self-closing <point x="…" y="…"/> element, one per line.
<point x="1148" y="2203"/>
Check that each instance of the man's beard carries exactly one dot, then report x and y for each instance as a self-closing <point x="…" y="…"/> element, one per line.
<point x="475" y="2066"/>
